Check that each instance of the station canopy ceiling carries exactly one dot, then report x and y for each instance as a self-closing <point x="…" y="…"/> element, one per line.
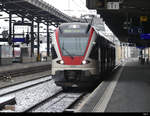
<point x="37" y="9"/>
<point x="128" y="19"/>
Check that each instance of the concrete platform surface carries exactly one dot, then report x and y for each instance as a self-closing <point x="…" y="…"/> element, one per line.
<point x="128" y="90"/>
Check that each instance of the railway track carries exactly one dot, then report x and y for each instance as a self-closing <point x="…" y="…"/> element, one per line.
<point x="25" y="93"/>
<point x="40" y="104"/>
<point x="56" y="101"/>
<point x="23" y="85"/>
<point x="60" y="102"/>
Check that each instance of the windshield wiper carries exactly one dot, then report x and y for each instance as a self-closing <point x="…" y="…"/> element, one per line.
<point x="67" y="51"/>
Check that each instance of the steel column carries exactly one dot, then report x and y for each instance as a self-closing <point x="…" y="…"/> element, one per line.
<point x="48" y="40"/>
<point x="38" y="40"/>
<point x="127" y="52"/>
<point x="148" y="53"/>
<point x="32" y="39"/>
<point x="23" y="19"/>
<point x="13" y="42"/>
<point x="10" y="29"/>
<point x="121" y="52"/>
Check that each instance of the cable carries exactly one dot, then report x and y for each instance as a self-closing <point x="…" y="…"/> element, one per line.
<point x="75" y="10"/>
<point x="84" y="4"/>
<point x="79" y="5"/>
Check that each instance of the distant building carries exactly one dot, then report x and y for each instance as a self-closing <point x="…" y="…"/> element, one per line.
<point x="134" y="52"/>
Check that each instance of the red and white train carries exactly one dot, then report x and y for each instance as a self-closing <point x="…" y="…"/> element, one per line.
<point x="80" y="55"/>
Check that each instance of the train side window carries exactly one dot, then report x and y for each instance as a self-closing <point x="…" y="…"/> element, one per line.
<point x="94" y="52"/>
<point x="54" y="54"/>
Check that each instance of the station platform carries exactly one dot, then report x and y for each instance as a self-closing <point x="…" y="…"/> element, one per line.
<point x="126" y="90"/>
<point x="16" y="66"/>
<point x="19" y="79"/>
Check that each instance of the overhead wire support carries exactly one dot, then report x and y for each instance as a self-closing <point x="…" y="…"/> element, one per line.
<point x="78" y="5"/>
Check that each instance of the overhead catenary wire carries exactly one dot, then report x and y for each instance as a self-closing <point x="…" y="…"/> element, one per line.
<point x="81" y="7"/>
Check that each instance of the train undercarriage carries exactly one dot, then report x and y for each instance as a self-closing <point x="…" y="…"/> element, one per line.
<point x="75" y="79"/>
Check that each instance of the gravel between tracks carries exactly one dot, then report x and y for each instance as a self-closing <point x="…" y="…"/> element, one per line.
<point x="59" y="104"/>
<point x="31" y="96"/>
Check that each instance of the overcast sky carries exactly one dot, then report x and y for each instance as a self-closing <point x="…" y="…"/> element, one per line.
<point x="71" y="7"/>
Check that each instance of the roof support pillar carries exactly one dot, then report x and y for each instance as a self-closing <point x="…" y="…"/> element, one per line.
<point x="13" y="42"/>
<point x="10" y="29"/>
<point x="48" y="40"/>
<point x="23" y="19"/>
<point x="38" y="40"/>
<point x="32" y="39"/>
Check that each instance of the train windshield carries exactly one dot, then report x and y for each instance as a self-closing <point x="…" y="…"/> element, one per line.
<point x="73" y="44"/>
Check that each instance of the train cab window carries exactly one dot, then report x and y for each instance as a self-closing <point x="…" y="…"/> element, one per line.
<point x="75" y="46"/>
<point x="73" y="39"/>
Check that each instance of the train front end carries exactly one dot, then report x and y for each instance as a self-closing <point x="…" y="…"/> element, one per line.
<point x="71" y="47"/>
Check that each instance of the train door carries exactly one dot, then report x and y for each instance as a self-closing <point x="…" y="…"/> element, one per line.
<point x="106" y="52"/>
<point x="111" y="59"/>
<point x="102" y="57"/>
<point x="114" y="58"/>
<point x="99" y="55"/>
<point x="108" y="59"/>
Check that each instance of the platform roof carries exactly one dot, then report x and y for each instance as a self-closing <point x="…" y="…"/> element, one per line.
<point x="129" y="11"/>
<point x="37" y="9"/>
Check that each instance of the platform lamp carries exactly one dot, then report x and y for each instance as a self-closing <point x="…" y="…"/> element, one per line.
<point x="13" y="21"/>
<point x="26" y="21"/>
<point x="0" y="16"/>
<point x="38" y="40"/>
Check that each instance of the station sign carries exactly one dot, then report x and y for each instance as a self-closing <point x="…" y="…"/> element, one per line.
<point x="113" y="6"/>
<point x="141" y="47"/>
<point x="145" y="36"/>
<point x="136" y="30"/>
<point x="19" y="40"/>
<point x="143" y="18"/>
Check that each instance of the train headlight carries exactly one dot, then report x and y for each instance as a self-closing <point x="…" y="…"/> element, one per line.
<point x="84" y="62"/>
<point x="61" y="62"/>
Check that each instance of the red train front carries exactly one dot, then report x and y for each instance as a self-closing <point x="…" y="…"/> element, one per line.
<point x="76" y="54"/>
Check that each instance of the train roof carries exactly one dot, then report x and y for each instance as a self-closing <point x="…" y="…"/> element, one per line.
<point x="99" y="30"/>
<point x="73" y="23"/>
<point x="103" y="34"/>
